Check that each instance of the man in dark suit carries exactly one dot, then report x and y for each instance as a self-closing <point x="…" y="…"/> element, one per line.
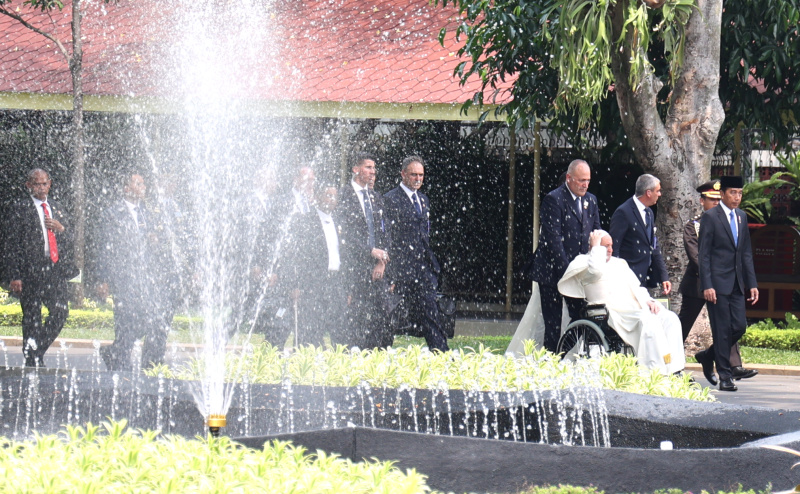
<point x="727" y="276"/>
<point x="39" y="265"/>
<point x="312" y="271"/>
<point x="568" y="215"/>
<point x="633" y="230"/>
<point x="414" y="270"/>
<point x="692" y="301"/>
<point x="260" y="227"/>
<point x="133" y="263"/>
<point x="364" y="240"/>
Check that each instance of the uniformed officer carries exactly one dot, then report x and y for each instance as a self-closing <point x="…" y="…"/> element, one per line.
<point x="690" y="288"/>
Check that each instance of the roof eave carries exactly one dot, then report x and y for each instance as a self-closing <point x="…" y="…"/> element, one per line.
<point x="269" y="108"/>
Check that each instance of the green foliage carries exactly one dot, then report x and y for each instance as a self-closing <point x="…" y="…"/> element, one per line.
<point x="466" y="369"/>
<point x="781" y="340"/>
<point x="585" y="45"/>
<point x="112" y="458"/>
<point x="761" y="42"/>
<point x="563" y="44"/>
<point x="757" y="198"/>
<point x="791" y="322"/>
<point x="505" y="39"/>
<point x="510" y="40"/>
<point x="43" y="5"/>
<point x="91" y="319"/>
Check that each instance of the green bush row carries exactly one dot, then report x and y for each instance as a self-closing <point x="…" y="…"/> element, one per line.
<point x="11" y="315"/>
<point x="791" y="322"/>
<point x="787" y="339"/>
<point x="113" y="458"/>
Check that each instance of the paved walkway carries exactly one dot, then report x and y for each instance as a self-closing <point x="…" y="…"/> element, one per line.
<point x="774" y="387"/>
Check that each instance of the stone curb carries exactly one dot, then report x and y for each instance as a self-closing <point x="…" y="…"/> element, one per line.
<point x="766" y="369"/>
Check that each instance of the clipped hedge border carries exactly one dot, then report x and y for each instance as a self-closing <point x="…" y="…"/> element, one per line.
<point x="777" y="339"/>
<point x="11" y="315"/>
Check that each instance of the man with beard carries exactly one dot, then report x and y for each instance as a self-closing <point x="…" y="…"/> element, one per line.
<point x="364" y="258"/>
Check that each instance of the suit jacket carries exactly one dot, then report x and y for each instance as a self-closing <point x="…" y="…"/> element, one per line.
<point x="28" y="260"/>
<point x="564" y="233"/>
<point x="690" y="283"/>
<point x="631" y="243"/>
<point x="306" y="264"/>
<point x="132" y="260"/>
<point x="356" y="254"/>
<point x="411" y="259"/>
<point x="723" y="265"/>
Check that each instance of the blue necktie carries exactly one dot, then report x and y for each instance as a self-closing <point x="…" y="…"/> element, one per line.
<point x="648" y="214"/>
<point x="734" y="230"/>
<point x="416" y="203"/>
<point x="368" y="215"/>
<point x="578" y="206"/>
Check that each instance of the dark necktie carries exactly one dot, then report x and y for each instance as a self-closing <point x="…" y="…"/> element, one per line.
<point x="734" y="229"/>
<point x="416" y="203"/>
<point x="578" y="207"/>
<point x="51" y="237"/>
<point x="648" y="224"/>
<point x="368" y="215"/>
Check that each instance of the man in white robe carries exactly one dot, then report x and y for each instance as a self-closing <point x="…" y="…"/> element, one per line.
<point x="653" y="331"/>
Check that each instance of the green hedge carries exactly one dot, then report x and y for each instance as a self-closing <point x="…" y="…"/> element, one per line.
<point x="11" y="315"/>
<point x="780" y="339"/>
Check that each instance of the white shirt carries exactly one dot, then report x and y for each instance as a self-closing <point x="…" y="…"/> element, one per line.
<point x="331" y="239"/>
<point x="727" y="211"/>
<point x="580" y="204"/>
<point x="360" y="195"/>
<point x="132" y="209"/>
<point x="642" y="209"/>
<point x="39" y="210"/>
<point x="410" y="193"/>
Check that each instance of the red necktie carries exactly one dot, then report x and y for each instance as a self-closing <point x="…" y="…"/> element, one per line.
<point x="51" y="237"/>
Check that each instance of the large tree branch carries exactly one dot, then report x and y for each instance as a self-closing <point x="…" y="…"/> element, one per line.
<point x="695" y="112"/>
<point x="637" y="107"/>
<point x="35" y="29"/>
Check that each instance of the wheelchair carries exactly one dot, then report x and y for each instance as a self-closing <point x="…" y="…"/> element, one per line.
<point x="591" y="336"/>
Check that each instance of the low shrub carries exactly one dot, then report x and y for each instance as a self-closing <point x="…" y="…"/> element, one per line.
<point x="791" y="322"/>
<point x="11" y="315"/>
<point x="416" y="367"/>
<point x="783" y="339"/>
<point x="116" y="459"/>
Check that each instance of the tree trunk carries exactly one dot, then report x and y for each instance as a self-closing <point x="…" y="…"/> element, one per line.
<point x="78" y="158"/>
<point x="679" y="149"/>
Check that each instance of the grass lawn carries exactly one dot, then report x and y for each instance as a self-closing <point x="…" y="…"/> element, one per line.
<point x="496" y="344"/>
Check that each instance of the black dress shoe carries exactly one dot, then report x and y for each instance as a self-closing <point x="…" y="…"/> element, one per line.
<point x="727" y="385"/>
<point x="708" y="367"/>
<point x="742" y="373"/>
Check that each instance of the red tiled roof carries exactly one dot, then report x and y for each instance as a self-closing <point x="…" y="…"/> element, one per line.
<point x="359" y="51"/>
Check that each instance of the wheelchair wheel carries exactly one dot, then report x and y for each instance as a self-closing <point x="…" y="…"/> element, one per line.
<point x="582" y="339"/>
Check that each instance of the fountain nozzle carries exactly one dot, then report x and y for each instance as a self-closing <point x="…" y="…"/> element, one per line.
<point x="215" y="423"/>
